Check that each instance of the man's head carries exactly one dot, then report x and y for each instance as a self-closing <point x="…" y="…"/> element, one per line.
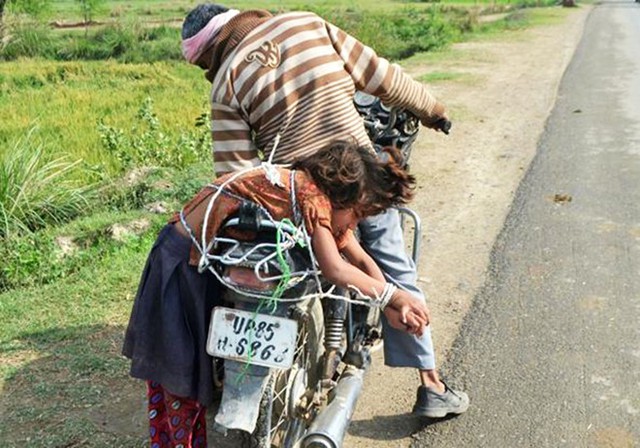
<point x="199" y="17"/>
<point x="200" y="30"/>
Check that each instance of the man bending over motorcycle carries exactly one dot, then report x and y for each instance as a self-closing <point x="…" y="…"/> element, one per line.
<point x="167" y="331"/>
<point x="283" y="86"/>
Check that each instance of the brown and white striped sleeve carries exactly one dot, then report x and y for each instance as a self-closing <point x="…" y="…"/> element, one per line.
<point x="375" y="75"/>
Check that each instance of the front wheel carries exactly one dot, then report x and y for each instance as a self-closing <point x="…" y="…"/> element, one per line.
<point x="285" y="413"/>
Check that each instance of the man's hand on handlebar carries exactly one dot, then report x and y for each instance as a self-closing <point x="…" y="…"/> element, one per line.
<point x="439" y="120"/>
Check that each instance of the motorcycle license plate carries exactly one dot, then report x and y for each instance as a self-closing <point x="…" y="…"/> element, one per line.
<point x="258" y="339"/>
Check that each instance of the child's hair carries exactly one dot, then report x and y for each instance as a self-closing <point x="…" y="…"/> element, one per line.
<point x="354" y="176"/>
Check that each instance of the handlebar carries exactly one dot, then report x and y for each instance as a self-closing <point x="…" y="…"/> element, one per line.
<point x="392" y="126"/>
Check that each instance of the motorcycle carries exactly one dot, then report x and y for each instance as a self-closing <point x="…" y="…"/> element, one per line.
<point x="290" y="350"/>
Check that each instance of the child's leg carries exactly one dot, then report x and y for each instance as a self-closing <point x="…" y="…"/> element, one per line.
<point x="175" y="421"/>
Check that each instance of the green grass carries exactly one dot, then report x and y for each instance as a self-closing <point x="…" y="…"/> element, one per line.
<point x="67" y="100"/>
<point x="57" y="252"/>
<point x="445" y="76"/>
<point x="62" y="376"/>
<point x="67" y="10"/>
<point x="394" y="33"/>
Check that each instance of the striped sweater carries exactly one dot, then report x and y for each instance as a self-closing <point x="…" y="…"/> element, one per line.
<point x="294" y="76"/>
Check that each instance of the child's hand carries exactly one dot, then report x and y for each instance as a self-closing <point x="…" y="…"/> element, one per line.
<point x="411" y="323"/>
<point x="405" y="303"/>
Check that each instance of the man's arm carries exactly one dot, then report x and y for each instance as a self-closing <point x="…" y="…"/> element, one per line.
<point x="375" y="75"/>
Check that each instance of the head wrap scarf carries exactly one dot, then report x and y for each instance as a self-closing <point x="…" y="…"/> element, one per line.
<point x="195" y="46"/>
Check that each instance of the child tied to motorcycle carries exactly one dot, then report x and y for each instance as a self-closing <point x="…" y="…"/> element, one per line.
<point x="293" y="76"/>
<point x="166" y="336"/>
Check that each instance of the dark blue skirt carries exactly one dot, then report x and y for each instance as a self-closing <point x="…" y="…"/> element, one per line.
<point x="167" y="331"/>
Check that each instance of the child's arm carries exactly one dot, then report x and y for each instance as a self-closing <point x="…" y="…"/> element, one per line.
<point x="413" y="312"/>
<point x="359" y="258"/>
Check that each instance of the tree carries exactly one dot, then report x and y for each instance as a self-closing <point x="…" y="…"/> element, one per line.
<point x="89" y="9"/>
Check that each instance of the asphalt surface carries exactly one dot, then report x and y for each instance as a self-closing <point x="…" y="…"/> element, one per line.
<point x="550" y="351"/>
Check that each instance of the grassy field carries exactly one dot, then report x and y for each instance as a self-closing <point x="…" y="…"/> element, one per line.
<point x="66" y="285"/>
<point x="67" y="100"/>
<point x="163" y="10"/>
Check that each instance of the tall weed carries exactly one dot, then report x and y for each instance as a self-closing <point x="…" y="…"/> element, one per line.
<point x="36" y="190"/>
<point x="27" y="39"/>
<point x="123" y="40"/>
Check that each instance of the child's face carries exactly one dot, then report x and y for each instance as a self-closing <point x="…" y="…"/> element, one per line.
<point x="343" y="219"/>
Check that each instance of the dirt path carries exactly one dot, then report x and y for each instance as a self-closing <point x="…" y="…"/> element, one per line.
<point x="467" y="181"/>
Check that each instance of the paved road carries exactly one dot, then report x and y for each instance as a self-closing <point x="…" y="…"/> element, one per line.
<point x="550" y="352"/>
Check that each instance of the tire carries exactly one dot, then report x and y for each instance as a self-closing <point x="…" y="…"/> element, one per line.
<point x="275" y="426"/>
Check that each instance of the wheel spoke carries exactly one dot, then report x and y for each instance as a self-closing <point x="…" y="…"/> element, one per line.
<point x="286" y="428"/>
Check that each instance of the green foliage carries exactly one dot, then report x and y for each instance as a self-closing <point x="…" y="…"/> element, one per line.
<point x="155" y="44"/>
<point x="51" y="254"/>
<point x="36" y="190"/>
<point x="146" y="144"/>
<point x="128" y="41"/>
<point x="54" y="253"/>
<point x="140" y="187"/>
<point x="34" y="8"/>
<point x="27" y="39"/>
<point x="68" y="99"/>
<point x="397" y="34"/>
<point x="125" y="41"/>
<point x="89" y="8"/>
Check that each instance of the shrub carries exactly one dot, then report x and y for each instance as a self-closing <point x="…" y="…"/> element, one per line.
<point x="33" y="8"/>
<point x="124" y="40"/>
<point x="399" y="34"/>
<point x="146" y="144"/>
<point x="111" y="41"/>
<point x="155" y="44"/>
<point x="36" y="190"/>
<point x="27" y="39"/>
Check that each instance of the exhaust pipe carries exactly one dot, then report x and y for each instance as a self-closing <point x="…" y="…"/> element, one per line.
<point x="329" y="427"/>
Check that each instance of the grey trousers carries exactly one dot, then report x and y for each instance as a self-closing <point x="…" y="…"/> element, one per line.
<point x="382" y="238"/>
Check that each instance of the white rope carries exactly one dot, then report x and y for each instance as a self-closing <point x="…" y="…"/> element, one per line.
<point x="276" y="142"/>
<point x="205" y="248"/>
<point x="378" y="300"/>
<point x="319" y="295"/>
<point x="273" y="175"/>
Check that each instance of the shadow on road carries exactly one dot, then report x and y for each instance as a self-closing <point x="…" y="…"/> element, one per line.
<point x="392" y="427"/>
